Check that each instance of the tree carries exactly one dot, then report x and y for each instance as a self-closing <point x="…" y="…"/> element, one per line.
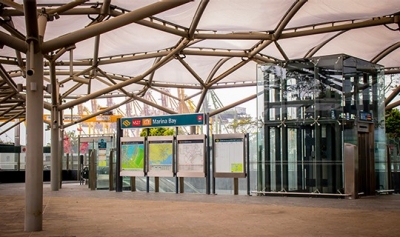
<point x="393" y="123"/>
<point x="157" y="132"/>
<point x="243" y="124"/>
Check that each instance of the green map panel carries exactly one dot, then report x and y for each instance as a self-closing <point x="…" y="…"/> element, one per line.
<point x="160" y="156"/>
<point x="132" y="157"/>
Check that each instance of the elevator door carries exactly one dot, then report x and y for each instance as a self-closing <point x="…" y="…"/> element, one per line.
<point x="366" y="169"/>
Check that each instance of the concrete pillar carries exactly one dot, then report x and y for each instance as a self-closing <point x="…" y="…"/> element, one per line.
<point x="34" y="146"/>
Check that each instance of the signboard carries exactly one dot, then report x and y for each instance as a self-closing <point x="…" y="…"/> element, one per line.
<point x="132" y="156"/>
<point x="102" y="152"/>
<point x="160" y="162"/>
<point x="365" y="116"/>
<point x="163" y="121"/>
<point x="191" y="155"/>
<point x="229" y="155"/>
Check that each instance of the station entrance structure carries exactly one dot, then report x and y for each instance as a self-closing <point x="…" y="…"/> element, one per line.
<point x="309" y="111"/>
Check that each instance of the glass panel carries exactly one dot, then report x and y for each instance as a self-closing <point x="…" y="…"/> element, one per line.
<point x="8" y="161"/>
<point x="103" y="148"/>
<point x="23" y="160"/>
<point x="310" y="109"/>
<point x="292" y="160"/>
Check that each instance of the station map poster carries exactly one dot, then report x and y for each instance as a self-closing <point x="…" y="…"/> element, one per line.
<point x="191" y="156"/>
<point x="229" y="155"/>
<point x="132" y="156"/>
<point x="160" y="156"/>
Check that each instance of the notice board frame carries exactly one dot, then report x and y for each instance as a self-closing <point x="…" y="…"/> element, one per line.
<point x="161" y="173"/>
<point x="195" y="174"/>
<point x="216" y="138"/>
<point x="133" y="173"/>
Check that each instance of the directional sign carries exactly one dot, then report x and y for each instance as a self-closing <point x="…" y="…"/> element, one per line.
<point x="163" y="121"/>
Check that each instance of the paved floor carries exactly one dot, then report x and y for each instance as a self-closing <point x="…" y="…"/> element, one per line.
<point x="77" y="211"/>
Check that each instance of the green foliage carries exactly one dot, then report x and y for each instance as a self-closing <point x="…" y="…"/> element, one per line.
<point x="157" y="132"/>
<point x="243" y="124"/>
<point x="393" y="123"/>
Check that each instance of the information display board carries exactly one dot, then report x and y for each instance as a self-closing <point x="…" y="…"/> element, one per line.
<point x="191" y="150"/>
<point x="163" y="121"/>
<point x="229" y="155"/>
<point x="132" y="156"/>
<point x="102" y="153"/>
<point x="160" y="162"/>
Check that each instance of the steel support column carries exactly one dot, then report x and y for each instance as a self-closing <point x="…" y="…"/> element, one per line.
<point x="55" y="132"/>
<point x="34" y="156"/>
<point x="34" y="117"/>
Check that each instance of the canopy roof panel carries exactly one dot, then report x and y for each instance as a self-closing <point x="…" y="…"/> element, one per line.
<point x="323" y="11"/>
<point x="243" y="16"/>
<point x="374" y="40"/>
<point x="127" y="48"/>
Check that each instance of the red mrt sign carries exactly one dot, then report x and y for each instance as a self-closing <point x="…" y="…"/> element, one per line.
<point x="136" y="122"/>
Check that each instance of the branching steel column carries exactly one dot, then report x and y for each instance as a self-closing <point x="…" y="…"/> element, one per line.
<point x="55" y="131"/>
<point x="113" y="82"/>
<point x="95" y="59"/>
<point x="196" y="76"/>
<point x="220" y="110"/>
<point x="392" y="95"/>
<point x="34" y="103"/>
<point x="293" y="10"/>
<point x="201" y="99"/>
<point x="227" y="72"/>
<point x="278" y="46"/>
<point x="197" y="17"/>
<point x="385" y="52"/>
<point x="109" y="25"/>
<point x="12" y="118"/>
<point x="98" y="113"/>
<point x="46" y="105"/>
<point x="67" y="6"/>
<point x="210" y="76"/>
<point x="13" y="42"/>
<point x="315" y="49"/>
<point x="10" y="3"/>
<point x="10" y="109"/>
<point x="15" y="125"/>
<point x="127" y="82"/>
<point x="368" y="23"/>
<point x="9" y="26"/>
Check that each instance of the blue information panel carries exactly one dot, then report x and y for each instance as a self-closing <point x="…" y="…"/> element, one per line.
<point x="163" y="121"/>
